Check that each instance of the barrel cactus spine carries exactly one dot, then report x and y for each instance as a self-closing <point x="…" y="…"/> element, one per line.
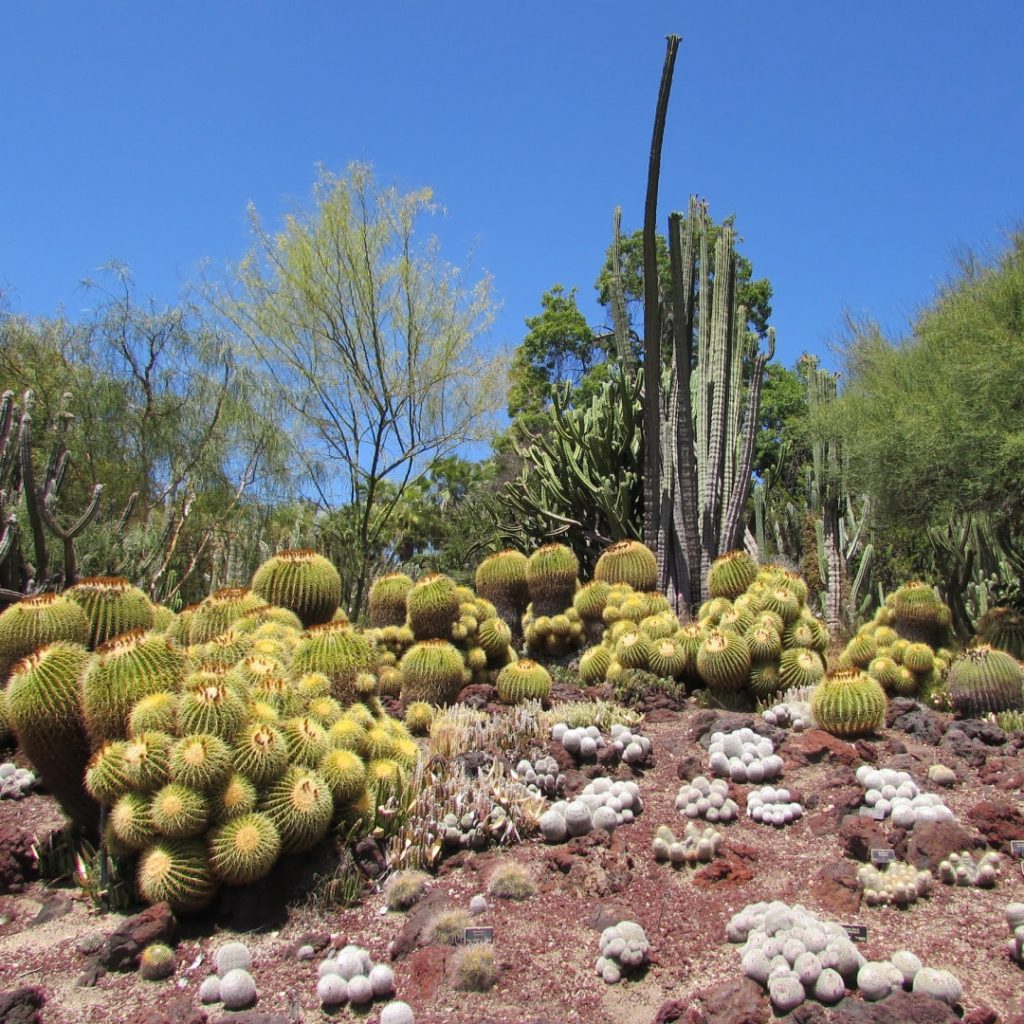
<point x="301" y="581"/>
<point x="33" y="622"/>
<point x="628" y="561"/>
<point x="849" y="703"/>
<point x="112" y="605"/>
<point x="523" y="680"/>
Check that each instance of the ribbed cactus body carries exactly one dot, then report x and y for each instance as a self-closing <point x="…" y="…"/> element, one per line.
<point x="731" y="574"/>
<point x="433" y="607"/>
<point x="36" y="621"/>
<point x="158" y="711"/>
<point x="387" y="599"/>
<point x="723" y="660"/>
<point x="178" y="871"/>
<point x="300" y="805"/>
<point x="131" y="822"/>
<point x="301" y="581"/>
<point x="216" y="710"/>
<point x="1003" y="629"/>
<point x="765" y="681"/>
<point x="764" y="641"/>
<point x="179" y="812"/>
<point x="628" y="562"/>
<point x="419" y="717"/>
<point x="594" y="664"/>
<point x="305" y="740"/>
<point x="43" y="709"/>
<point x="919" y="615"/>
<point x="338" y="651"/>
<point x="106" y="776"/>
<point x="216" y="614"/>
<point x="200" y="761"/>
<point x="112" y="606"/>
<point x="244" y="849"/>
<point x="147" y="758"/>
<point x="590" y="600"/>
<point x="432" y="671"/>
<point x="800" y="667"/>
<point x="345" y="775"/>
<point x="848" y="702"/>
<point x="523" y="680"/>
<point x="551" y="574"/>
<point x="985" y="681"/>
<point x="501" y="579"/>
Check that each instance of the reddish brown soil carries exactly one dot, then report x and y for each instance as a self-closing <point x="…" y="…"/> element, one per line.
<point x="546" y="946"/>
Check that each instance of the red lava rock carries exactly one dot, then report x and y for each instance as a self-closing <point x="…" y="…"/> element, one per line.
<point x="55" y="905"/>
<point x="981" y="1015"/>
<point x="932" y="841"/>
<point x="318" y="940"/>
<point x="22" y="1005"/>
<point x="998" y="822"/>
<point x="478" y="695"/>
<point x="560" y="859"/>
<point x="860" y="836"/>
<point x="246" y="1017"/>
<point x="809" y="1013"/>
<point x="602" y="691"/>
<point x="675" y="1011"/>
<point x="17" y="862"/>
<point x="427" y="967"/>
<point x="665" y="714"/>
<point x="689" y="768"/>
<point x="176" y="1011"/>
<point x="417" y="924"/>
<point x="866" y="751"/>
<point x="742" y="850"/>
<point x="736" y="1002"/>
<point x="895" y="746"/>
<point x="901" y="1007"/>
<point x="817" y="745"/>
<point x="836" y="888"/>
<point x="123" y="946"/>
<point x="726" y="871"/>
<point x="564" y="760"/>
<point x="1003" y="773"/>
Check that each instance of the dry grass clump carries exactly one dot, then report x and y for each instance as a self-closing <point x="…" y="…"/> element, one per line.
<point x="475" y="970"/>
<point x="449" y="926"/>
<point x="405" y="889"/>
<point x="511" y="882"/>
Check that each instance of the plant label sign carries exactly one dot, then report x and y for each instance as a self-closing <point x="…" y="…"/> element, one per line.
<point x="857" y="932"/>
<point x="877" y="813"/>
<point x="1017" y="848"/>
<point x="883" y="856"/>
<point x="472" y="936"/>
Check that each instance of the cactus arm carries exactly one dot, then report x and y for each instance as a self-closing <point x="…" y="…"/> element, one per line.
<point x="29" y="489"/>
<point x="7" y="448"/>
<point x="620" y="320"/>
<point x="67" y="535"/>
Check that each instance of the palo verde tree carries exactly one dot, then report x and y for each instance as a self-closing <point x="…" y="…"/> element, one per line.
<point x="368" y="342"/>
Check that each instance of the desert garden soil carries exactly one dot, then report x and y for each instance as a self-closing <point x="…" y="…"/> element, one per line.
<point x="545" y="947"/>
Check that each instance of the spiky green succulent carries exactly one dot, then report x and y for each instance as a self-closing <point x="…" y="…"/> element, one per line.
<point x="178" y="871"/>
<point x="130" y="821"/>
<point x="764" y="641"/>
<point x="200" y="761"/>
<point x="155" y="712"/>
<point x="112" y="605"/>
<point x="807" y="631"/>
<point x="179" y="812"/>
<point x="260" y="753"/>
<point x="235" y="796"/>
<point x="301" y="581"/>
<point x="723" y="660"/>
<point x="433" y="607"/>
<point x="630" y="562"/>
<point x="432" y="671"/>
<point x="215" y="615"/>
<point x="33" y="622"/>
<point x="731" y="574"/>
<point x="345" y="774"/>
<point x="594" y="664"/>
<point x="848" y="703"/>
<point x="339" y="652"/>
<point x="551" y="575"/>
<point x="985" y="681"/>
<point x="305" y="739"/>
<point x="387" y="599"/>
<point x="666" y="657"/>
<point x="501" y="579"/>
<point x="147" y="760"/>
<point x="765" y="681"/>
<point x="221" y="652"/>
<point x="919" y="615"/>
<point x="1001" y="628"/>
<point x="244" y="849"/>
<point x="300" y="806"/>
<point x="106" y="776"/>
<point x="800" y="667"/>
<point x="886" y="672"/>
<point x="385" y="779"/>
<point x="523" y="680"/>
<point x="42" y="702"/>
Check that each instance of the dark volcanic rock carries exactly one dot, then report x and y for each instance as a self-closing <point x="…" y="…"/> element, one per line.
<point x="55" y="905"/>
<point x="709" y="721"/>
<point x="675" y="1011"/>
<point x="17" y="862"/>
<point x="999" y="822"/>
<point x="479" y="695"/>
<point x="908" y="716"/>
<point x="930" y="842"/>
<point x="988" y="732"/>
<point x="736" y="1002"/>
<point x="836" y="889"/>
<point x="417" y="924"/>
<point x="817" y="745"/>
<point x="860" y="836"/>
<point x="122" y="948"/>
<point x="22" y="1005"/>
<point x="174" y="1011"/>
<point x="981" y="1015"/>
<point x="900" y="1006"/>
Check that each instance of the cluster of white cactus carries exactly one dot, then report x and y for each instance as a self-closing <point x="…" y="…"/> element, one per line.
<point x="602" y="804"/>
<point x="706" y="799"/>
<point x="541" y="776"/>
<point x="897" y="884"/>
<point x="585" y="741"/>
<point x="472" y="830"/>
<point x="697" y="845"/>
<point x="743" y="756"/>
<point x="624" y="946"/>
<point x="15" y="782"/>
<point x="352" y="977"/>
<point x="795" y="715"/>
<point x="771" y="806"/>
<point x="895" y="794"/>
<point x="797" y="956"/>
<point x="1015" y="922"/>
<point x="232" y="985"/>
<point x="962" y="869"/>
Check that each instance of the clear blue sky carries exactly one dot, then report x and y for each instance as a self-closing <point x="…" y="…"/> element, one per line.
<point x="857" y="144"/>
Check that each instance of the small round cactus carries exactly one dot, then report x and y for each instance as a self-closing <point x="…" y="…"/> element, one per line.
<point x="237" y="990"/>
<point x="156" y="962"/>
<point x="232" y="956"/>
<point x="397" y="1012"/>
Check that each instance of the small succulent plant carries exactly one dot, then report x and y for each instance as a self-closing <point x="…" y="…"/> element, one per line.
<point x="1015" y="922"/>
<point x="706" y="799"/>
<point x="894" y="793"/>
<point x="156" y="962"/>
<point x="449" y="926"/>
<point x="602" y="804"/>
<point x="511" y="882"/>
<point x="697" y="845"/>
<point x="743" y="756"/>
<point x="624" y="947"/>
<point x="898" y="884"/>
<point x="405" y="889"/>
<point x="237" y="989"/>
<point x="962" y="869"/>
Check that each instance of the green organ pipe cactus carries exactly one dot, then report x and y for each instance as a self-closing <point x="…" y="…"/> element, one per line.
<point x="849" y="703"/>
<point x="300" y="805"/>
<point x="731" y="574"/>
<point x="338" y="651"/>
<point x="123" y="671"/>
<point x="178" y="871"/>
<point x="432" y="671"/>
<point x="387" y="600"/>
<point x="551" y="574"/>
<point x="523" y="680"/>
<point x="244" y="849"/>
<point x="985" y="681"/>
<point x="112" y="606"/>
<point x="33" y="622"/>
<point x="301" y="581"/>
<point x="43" y="709"/>
<point x="629" y="562"/>
<point x="433" y="607"/>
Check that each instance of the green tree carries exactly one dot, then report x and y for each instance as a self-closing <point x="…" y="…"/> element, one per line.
<point x="368" y="342"/>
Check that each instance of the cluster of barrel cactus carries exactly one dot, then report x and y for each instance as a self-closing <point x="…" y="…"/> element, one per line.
<point x="904" y="648"/>
<point x="985" y="681"/>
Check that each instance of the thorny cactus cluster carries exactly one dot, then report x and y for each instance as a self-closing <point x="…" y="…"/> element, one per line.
<point x="705" y="799"/>
<point x="623" y="948"/>
<point x="897" y="884"/>
<point x="697" y="845"/>
<point x="895" y="794"/>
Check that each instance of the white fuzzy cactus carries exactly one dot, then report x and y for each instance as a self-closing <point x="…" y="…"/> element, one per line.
<point x="962" y="869"/>
<point x="706" y="799"/>
<point x="697" y="845"/>
<point x="771" y="806"/>
<point x="898" y="884"/>
<point x="895" y="794"/>
<point x="623" y="947"/>
<point x="743" y="756"/>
